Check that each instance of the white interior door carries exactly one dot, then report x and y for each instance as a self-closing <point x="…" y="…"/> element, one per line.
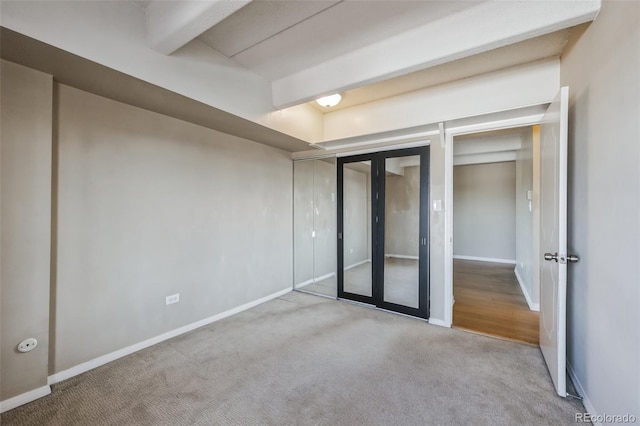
<point x="553" y="238"/>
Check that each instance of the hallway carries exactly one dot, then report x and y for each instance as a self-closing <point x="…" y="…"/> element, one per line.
<point x="488" y="300"/>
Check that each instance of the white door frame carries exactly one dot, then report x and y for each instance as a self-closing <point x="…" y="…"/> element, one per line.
<point x="448" y="187"/>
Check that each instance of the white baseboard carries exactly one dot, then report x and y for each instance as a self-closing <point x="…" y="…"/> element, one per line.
<point x="24" y="398"/>
<point x="585" y="399"/>
<point x="303" y="283"/>
<point x="401" y="256"/>
<point x="362" y="262"/>
<point x="97" y="362"/>
<point x="532" y="306"/>
<point x="314" y="280"/>
<point x="485" y="259"/>
<point x="439" y="322"/>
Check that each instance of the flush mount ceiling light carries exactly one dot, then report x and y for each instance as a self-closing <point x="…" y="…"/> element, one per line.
<point x="329" y="101"/>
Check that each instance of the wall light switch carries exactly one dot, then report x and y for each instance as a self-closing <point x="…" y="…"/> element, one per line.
<point x="529" y="195"/>
<point x="437" y="205"/>
<point x="174" y="298"/>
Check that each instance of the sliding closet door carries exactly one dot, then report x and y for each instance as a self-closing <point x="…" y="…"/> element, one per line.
<point x="404" y="231"/>
<point x="383" y="248"/>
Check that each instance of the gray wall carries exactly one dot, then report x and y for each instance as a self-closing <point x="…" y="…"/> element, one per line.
<point x="601" y="66"/>
<point x="402" y="213"/>
<point x="151" y="206"/>
<point x="25" y="237"/>
<point x="526" y="262"/>
<point x="484" y="210"/>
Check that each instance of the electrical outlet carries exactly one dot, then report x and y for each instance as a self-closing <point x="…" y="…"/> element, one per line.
<point x="174" y="298"/>
<point x="27" y="345"/>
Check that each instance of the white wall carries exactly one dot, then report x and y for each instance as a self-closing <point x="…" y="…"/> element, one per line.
<point x="601" y="66"/>
<point x="149" y="206"/>
<point x="25" y="226"/>
<point x="524" y="85"/>
<point x="526" y="261"/>
<point x="436" y="231"/>
<point x="484" y="211"/>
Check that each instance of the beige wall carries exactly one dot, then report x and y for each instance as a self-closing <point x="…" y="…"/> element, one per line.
<point x="484" y="210"/>
<point x="601" y="66"/>
<point x="147" y="206"/>
<point x="25" y="199"/>
<point x="150" y="206"/>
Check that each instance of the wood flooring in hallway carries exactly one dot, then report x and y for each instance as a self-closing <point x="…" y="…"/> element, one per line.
<point x="488" y="300"/>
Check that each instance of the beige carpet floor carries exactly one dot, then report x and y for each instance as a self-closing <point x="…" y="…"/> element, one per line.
<point x="307" y="360"/>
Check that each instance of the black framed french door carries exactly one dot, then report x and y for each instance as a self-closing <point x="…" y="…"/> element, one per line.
<point x="383" y="230"/>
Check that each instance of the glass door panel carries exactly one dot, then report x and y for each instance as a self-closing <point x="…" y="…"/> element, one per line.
<point x="402" y="231"/>
<point x="324" y="227"/>
<point x="356" y="226"/>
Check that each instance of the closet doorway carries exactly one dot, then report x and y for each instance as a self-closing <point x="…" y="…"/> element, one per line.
<point x="383" y="230"/>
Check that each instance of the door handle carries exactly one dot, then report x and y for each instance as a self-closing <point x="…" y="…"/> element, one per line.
<point x="563" y="259"/>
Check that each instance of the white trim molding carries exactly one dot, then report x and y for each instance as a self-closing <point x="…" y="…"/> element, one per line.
<point x="581" y="392"/>
<point x="488" y="124"/>
<point x="438" y="322"/>
<point x="532" y="306"/>
<point x="354" y="265"/>
<point x="314" y="280"/>
<point x="485" y="259"/>
<point x="24" y="398"/>
<point x="104" y="359"/>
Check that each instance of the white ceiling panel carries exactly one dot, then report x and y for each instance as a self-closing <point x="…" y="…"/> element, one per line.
<point x="320" y="34"/>
<point x="259" y="21"/>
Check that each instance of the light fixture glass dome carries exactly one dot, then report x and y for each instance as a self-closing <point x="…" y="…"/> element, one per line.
<point x="329" y="101"/>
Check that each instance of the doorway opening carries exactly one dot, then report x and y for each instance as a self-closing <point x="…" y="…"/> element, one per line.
<point x="495" y="203"/>
<point x="383" y="230"/>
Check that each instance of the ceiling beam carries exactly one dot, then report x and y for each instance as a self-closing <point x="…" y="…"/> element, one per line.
<point x="485" y="26"/>
<point x="172" y="24"/>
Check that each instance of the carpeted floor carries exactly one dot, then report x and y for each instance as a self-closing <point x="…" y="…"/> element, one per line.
<point x="307" y="360"/>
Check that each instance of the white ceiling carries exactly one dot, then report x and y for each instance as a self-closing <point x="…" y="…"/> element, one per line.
<point x="545" y="46"/>
<point x="279" y="38"/>
<point x="366" y="49"/>
<point x="488" y="147"/>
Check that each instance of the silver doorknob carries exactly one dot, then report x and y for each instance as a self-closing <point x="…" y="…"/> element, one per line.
<point x="549" y="256"/>
<point x="573" y="258"/>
